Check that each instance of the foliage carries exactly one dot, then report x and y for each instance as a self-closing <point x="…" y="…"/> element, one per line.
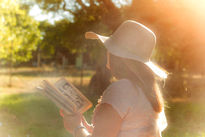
<point x="177" y="24"/>
<point x="19" y="33"/>
<point x="66" y="37"/>
<point x="170" y="20"/>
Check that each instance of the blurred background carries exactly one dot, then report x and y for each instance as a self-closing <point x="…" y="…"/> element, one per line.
<point x="44" y="39"/>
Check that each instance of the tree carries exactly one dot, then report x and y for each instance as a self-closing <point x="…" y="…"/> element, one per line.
<point x="102" y="16"/>
<point x="177" y="25"/>
<point x="19" y="34"/>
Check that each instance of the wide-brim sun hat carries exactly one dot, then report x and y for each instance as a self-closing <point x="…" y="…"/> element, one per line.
<point x="131" y="40"/>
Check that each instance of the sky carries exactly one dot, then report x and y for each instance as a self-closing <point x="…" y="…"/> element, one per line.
<point x="40" y="15"/>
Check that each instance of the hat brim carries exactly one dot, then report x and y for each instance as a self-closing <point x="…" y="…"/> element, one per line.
<point x="121" y="53"/>
<point x="93" y="35"/>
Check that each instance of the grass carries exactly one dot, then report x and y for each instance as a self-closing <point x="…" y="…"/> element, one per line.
<point x="30" y="114"/>
<point x="34" y="115"/>
<point x="25" y="113"/>
<point x="185" y="119"/>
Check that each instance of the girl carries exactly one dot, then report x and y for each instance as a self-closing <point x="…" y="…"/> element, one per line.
<point x="132" y="106"/>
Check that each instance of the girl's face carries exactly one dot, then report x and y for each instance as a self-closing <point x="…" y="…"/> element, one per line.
<point x="110" y="66"/>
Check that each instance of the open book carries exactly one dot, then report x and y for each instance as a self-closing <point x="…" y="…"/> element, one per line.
<point x="65" y="95"/>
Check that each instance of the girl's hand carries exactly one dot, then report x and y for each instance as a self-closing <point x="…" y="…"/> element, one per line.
<point x="71" y="121"/>
<point x="87" y="126"/>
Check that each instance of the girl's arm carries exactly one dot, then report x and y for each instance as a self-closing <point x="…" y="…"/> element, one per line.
<point x="107" y="123"/>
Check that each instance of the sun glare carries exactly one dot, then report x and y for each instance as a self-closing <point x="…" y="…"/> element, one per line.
<point x="197" y="6"/>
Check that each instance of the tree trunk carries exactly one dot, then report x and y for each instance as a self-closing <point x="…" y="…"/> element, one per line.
<point x="10" y="65"/>
<point x="38" y="59"/>
<point x="81" y="73"/>
<point x="10" y="74"/>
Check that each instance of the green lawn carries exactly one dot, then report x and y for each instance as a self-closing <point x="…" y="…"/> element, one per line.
<point x="185" y="119"/>
<point x="30" y="114"/>
<point x="33" y="114"/>
<point x="24" y="113"/>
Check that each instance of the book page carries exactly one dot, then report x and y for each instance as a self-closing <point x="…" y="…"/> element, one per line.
<point x="52" y="93"/>
<point x="81" y="103"/>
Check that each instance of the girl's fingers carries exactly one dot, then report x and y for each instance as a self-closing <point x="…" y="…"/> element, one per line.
<point x="84" y="121"/>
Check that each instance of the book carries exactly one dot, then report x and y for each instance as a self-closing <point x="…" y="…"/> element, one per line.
<point x="65" y="95"/>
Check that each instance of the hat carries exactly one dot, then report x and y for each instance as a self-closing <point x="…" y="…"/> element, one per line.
<point x="131" y="40"/>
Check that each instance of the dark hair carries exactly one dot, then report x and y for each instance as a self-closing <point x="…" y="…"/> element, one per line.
<point x="139" y="74"/>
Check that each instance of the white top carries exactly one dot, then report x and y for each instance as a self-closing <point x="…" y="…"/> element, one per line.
<point x="139" y="118"/>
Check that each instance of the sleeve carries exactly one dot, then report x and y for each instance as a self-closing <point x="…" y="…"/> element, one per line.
<point x="116" y="96"/>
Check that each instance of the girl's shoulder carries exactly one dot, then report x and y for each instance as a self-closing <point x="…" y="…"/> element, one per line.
<point x="123" y="87"/>
<point x="120" y="95"/>
<point x="122" y="83"/>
